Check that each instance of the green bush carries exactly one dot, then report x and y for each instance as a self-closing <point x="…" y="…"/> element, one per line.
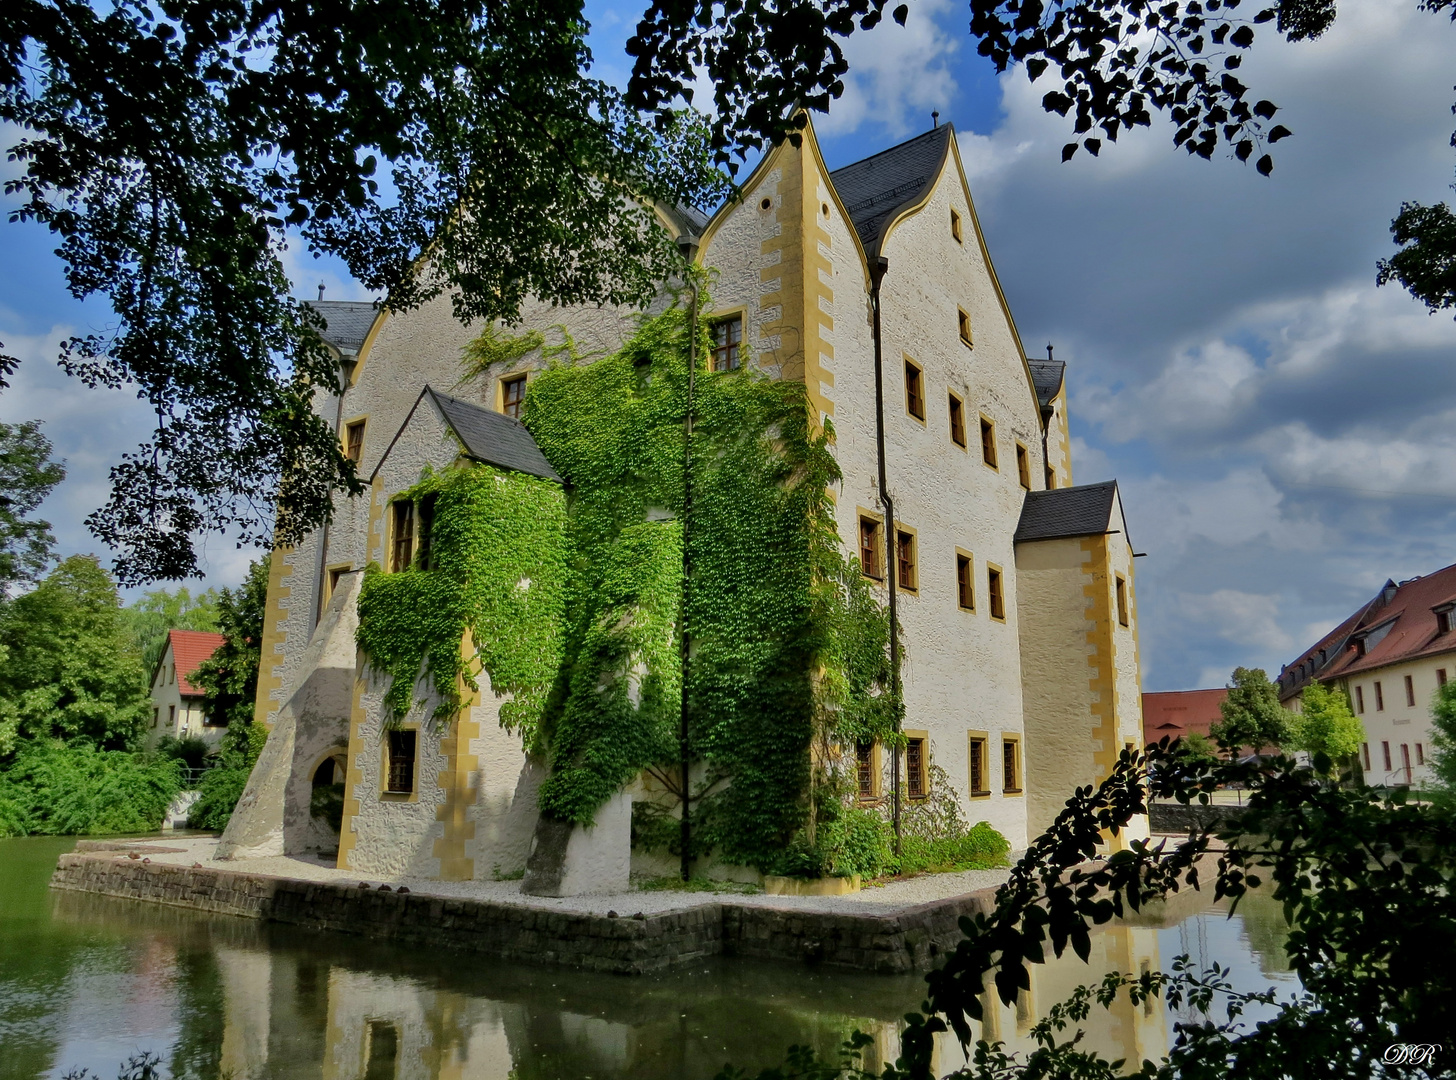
<point x="220" y="791"/>
<point x="981" y="848"/>
<point x="190" y="750"/>
<point x="55" y="789"/>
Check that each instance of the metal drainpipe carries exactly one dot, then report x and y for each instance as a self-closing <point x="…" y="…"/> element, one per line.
<point x="689" y="246"/>
<point x="877" y="275"/>
<point x="346" y="366"/>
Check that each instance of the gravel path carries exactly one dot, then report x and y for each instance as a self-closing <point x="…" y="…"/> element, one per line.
<point x="872" y="900"/>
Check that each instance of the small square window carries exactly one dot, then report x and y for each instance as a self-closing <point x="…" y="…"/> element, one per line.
<point x="869" y="548"/>
<point x="727" y="343"/>
<point x="1121" y="589"/>
<point x="993" y="590"/>
<point x="336" y="575"/>
<point x="905" y="561"/>
<point x="965" y="589"/>
<point x="400" y="766"/>
<point x="955" y="226"/>
<point x="964" y="322"/>
<point x="354" y="442"/>
<point x="988" y="442"/>
<point x="914" y="391"/>
<point x="957" y="421"/>
<point x="1023" y="467"/>
<point x="915" y="768"/>
<point x="513" y="395"/>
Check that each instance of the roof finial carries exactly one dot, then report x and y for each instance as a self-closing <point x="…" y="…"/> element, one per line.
<point x="321" y="290"/>
<point x="1049" y="350"/>
<point x="935" y="118"/>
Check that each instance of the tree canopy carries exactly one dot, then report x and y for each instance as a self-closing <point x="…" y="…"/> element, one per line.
<point x="1325" y="725"/>
<point x="1252" y="715"/>
<point x="70" y="672"/>
<point x="27" y="475"/>
<point x="148" y="618"/>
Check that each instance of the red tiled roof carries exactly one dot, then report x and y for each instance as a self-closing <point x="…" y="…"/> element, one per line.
<point x="1181" y="712"/>
<point x="189" y="649"/>
<point x="1397" y="625"/>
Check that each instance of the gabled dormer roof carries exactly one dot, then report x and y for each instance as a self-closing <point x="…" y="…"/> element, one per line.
<point x="485" y="435"/>
<point x="876" y="188"/>
<point x="1067" y="512"/>
<point x="188" y="649"/>
<point x="347" y="322"/>
<point x="1047" y="376"/>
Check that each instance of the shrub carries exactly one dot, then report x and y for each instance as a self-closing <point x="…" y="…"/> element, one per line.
<point x="52" y="788"/>
<point x="220" y="791"/>
<point x="190" y="750"/>
<point x="980" y="848"/>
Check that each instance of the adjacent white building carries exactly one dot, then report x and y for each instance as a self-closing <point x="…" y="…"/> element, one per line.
<point x="176" y="703"/>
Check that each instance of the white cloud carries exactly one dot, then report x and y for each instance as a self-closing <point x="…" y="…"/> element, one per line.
<point x="898" y="74"/>
<point x="1249" y="620"/>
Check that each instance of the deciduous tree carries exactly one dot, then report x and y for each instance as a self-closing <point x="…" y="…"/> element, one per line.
<point x="27" y="475"/>
<point x="1252" y="715"/>
<point x="1326" y="726"/>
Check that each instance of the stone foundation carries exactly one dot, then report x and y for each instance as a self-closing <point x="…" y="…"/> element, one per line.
<point x="911" y="940"/>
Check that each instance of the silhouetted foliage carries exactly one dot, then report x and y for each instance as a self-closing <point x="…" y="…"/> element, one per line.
<point x="27" y="475"/>
<point x="1252" y="715"/>
<point x="1364" y="881"/>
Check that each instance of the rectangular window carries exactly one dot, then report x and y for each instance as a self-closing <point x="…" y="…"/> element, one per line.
<point x="905" y="561"/>
<point x="1385" y="749"/>
<point x="865" y="769"/>
<point x="976" y="765"/>
<point x="402" y="550"/>
<point x="1051" y="479"/>
<point x="1420" y="754"/>
<point x="171" y="716"/>
<point x="965" y="587"/>
<point x="156" y="716"/>
<point x="957" y="421"/>
<point x="1023" y="467"/>
<point x="1379" y="696"/>
<point x="354" y="441"/>
<point x="964" y="322"/>
<point x="400" y="767"/>
<point x="1405" y="761"/>
<point x="869" y="548"/>
<point x="728" y="344"/>
<point x="383" y="1051"/>
<point x="1360" y="699"/>
<point x="914" y="391"/>
<point x="915" y="768"/>
<point x="1440" y="676"/>
<point x="1010" y="765"/>
<point x="955" y="226"/>
<point x="1410" y="691"/>
<point x="988" y="442"/>
<point x="426" y="528"/>
<point x="1121" y="600"/>
<point x="993" y="590"/>
<point x="513" y="393"/>
<point x="1443" y="622"/>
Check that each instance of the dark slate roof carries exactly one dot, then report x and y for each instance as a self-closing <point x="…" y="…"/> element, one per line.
<point x="874" y="189"/>
<point x="493" y="437"/>
<point x="1063" y="512"/>
<point x="347" y="322"/>
<point x="1048" y="376"/>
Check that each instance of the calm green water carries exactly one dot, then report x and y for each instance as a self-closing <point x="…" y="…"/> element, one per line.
<point x="86" y="982"/>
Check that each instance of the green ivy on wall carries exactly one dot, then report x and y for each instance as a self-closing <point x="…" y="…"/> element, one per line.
<point x="494" y="565"/>
<point x="789" y="645"/>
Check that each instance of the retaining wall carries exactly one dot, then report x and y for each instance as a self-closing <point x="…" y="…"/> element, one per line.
<point x="908" y="941"/>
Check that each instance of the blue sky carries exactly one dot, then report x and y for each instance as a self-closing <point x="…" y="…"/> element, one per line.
<point x="1283" y="431"/>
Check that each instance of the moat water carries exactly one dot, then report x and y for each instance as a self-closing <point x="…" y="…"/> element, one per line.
<point x="87" y="982"/>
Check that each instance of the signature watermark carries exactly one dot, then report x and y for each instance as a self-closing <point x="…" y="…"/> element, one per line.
<point x="1411" y="1053"/>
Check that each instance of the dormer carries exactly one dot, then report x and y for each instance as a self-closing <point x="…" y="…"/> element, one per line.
<point x="1444" y="617"/>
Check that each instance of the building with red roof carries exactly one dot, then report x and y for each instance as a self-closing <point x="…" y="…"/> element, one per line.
<point x="1175" y="713"/>
<point x="1389" y="657"/>
<point x="176" y="701"/>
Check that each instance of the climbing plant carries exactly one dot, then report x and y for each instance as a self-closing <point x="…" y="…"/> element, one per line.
<point x="493" y="566"/>
<point x="788" y="642"/>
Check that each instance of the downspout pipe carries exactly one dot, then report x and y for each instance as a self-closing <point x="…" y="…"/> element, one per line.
<point x="877" y="275"/>
<point x="688" y="245"/>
